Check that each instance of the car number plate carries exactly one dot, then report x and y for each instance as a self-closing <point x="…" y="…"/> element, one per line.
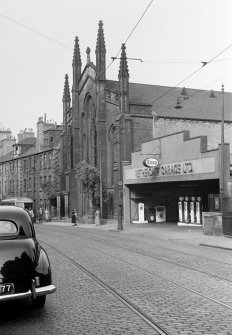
<point x="6" y="288"/>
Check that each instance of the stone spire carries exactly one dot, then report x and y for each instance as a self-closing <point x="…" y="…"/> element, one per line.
<point x="76" y="64"/>
<point x="123" y="69"/>
<point x="66" y="100"/>
<point x="123" y="77"/>
<point x="75" y="102"/>
<point x="66" y="94"/>
<point x="100" y="53"/>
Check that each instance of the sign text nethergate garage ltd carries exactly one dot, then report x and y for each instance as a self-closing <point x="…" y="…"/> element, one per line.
<point x="175" y="169"/>
<point x="166" y="170"/>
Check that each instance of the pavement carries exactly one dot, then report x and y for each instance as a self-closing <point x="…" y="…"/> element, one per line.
<point x="192" y="235"/>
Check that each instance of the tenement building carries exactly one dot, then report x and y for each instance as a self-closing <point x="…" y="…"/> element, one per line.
<point x="112" y="126"/>
<point x="31" y="166"/>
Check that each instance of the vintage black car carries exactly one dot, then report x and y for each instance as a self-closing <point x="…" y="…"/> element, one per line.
<point x="25" y="270"/>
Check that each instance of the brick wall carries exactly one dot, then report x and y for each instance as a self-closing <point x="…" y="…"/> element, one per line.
<point x="212" y="129"/>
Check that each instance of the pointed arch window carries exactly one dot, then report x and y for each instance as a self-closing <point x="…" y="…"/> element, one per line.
<point x="83" y="136"/>
<point x="90" y="130"/>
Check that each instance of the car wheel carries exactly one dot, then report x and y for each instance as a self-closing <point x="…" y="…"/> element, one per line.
<point x="39" y="302"/>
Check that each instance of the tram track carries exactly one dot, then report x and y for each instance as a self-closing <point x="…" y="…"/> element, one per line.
<point x="182" y="286"/>
<point x="148" y="320"/>
<point x="156" y="294"/>
<point x="105" y="233"/>
<point x="152" y="256"/>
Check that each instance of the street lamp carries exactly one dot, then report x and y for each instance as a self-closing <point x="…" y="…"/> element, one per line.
<point x="221" y="176"/>
<point x="101" y="188"/>
<point x="120" y="185"/>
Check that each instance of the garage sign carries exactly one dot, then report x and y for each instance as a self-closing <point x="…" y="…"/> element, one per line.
<point x="151" y="162"/>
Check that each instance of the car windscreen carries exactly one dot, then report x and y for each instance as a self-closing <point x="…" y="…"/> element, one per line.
<point x="8" y="228"/>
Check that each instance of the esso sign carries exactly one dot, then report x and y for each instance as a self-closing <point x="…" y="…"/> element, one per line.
<point x="150" y="162"/>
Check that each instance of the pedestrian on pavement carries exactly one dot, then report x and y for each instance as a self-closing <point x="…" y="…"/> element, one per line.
<point x="74" y="217"/>
<point x="40" y="215"/>
<point x="32" y="215"/>
<point x="46" y="215"/>
<point x="97" y="217"/>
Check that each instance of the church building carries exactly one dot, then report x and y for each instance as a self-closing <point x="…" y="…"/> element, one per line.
<point x="105" y="121"/>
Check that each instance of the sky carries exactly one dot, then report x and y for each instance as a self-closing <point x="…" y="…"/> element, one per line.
<point x="171" y="37"/>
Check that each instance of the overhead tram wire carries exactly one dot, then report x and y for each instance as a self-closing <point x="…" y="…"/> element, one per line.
<point x="176" y="62"/>
<point x="35" y="31"/>
<point x="212" y="82"/>
<point x="63" y="44"/>
<point x="192" y="74"/>
<point x="113" y="58"/>
<point x="130" y="34"/>
<point x="180" y="62"/>
<point x="197" y="91"/>
<point x="168" y="62"/>
<point x="68" y="47"/>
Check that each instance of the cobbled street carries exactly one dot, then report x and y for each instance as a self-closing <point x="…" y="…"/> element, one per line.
<point x="182" y="288"/>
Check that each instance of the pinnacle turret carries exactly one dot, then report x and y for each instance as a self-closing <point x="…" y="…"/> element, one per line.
<point x="100" y="53"/>
<point x="76" y="53"/>
<point x="123" y="69"/>
<point x="66" y="94"/>
<point x="123" y="77"/>
<point x="100" y="38"/>
<point x="76" y="64"/>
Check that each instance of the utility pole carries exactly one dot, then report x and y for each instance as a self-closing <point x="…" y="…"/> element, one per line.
<point x="2" y="182"/>
<point x="222" y="155"/>
<point x="100" y="171"/>
<point x="115" y="138"/>
<point x="120" y="183"/>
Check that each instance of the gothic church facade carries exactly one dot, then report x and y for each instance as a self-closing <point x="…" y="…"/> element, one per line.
<point x="102" y="126"/>
<point x="105" y="121"/>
